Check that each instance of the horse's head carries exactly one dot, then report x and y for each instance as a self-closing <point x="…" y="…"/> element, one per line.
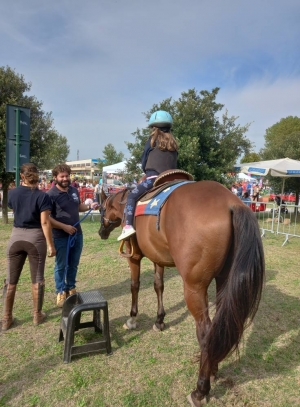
<point x="111" y="213"/>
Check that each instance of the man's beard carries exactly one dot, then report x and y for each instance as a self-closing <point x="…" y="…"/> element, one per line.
<point x="63" y="184"/>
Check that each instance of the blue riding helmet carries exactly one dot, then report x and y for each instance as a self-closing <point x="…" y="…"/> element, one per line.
<point x="160" y="118"/>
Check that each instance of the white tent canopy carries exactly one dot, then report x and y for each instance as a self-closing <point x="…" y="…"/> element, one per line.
<point x="283" y="167"/>
<point x="245" y="177"/>
<point x="115" y="168"/>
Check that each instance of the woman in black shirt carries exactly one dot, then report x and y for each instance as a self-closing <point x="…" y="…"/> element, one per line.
<point x="29" y="238"/>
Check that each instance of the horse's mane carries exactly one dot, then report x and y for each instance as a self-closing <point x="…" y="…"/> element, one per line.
<point x="114" y="196"/>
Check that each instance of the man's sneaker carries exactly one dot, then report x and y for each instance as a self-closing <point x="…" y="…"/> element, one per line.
<point x="61" y="298"/>
<point x="127" y="231"/>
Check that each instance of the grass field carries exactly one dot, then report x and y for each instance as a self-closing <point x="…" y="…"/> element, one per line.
<point x="149" y="368"/>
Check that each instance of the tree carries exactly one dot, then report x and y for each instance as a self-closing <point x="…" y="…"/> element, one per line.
<point x="208" y="146"/>
<point x="110" y="156"/>
<point x="47" y="146"/>
<point x="251" y="157"/>
<point x="283" y="140"/>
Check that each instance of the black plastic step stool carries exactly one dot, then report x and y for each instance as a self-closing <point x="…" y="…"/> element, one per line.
<point x="70" y="323"/>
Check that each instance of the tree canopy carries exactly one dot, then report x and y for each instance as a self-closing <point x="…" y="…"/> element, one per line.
<point x="251" y="157"/>
<point x="283" y="140"/>
<point x="47" y="146"/>
<point x="110" y="156"/>
<point x="208" y="145"/>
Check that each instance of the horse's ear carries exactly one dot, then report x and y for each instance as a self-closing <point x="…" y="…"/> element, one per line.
<point x="103" y="196"/>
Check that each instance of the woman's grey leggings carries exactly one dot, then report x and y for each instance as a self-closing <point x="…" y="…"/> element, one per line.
<point x="25" y="243"/>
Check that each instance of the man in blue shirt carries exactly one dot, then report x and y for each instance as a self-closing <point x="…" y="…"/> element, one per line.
<point x="65" y="222"/>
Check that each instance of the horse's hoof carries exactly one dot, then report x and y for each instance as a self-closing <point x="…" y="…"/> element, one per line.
<point x="195" y="402"/>
<point x="191" y="401"/>
<point x="155" y="328"/>
<point x="130" y="324"/>
<point x="213" y="378"/>
<point x="158" y="327"/>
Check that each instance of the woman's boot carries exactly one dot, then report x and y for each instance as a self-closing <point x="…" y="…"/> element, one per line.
<point x="38" y="291"/>
<point x="9" y="291"/>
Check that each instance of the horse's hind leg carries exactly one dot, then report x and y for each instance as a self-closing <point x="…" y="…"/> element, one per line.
<point x="220" y="281"/>
<point x="197" y="303"/>
<point x="159" y="289"/>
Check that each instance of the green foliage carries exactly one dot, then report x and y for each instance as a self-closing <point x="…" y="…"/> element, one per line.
<point x="110" y="156"/>
<point x="250" y="157"/>
<point x="133" y="167"/>
<point x="12" y="88"/>
<point x="208" y="146"/>
<point x="283" y="140"/>
<point x="47" y="146"/>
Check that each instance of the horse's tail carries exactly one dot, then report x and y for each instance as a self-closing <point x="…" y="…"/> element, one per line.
<point x="239" y="298"/>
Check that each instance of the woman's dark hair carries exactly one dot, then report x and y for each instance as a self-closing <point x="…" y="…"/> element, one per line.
<point x="30" y="173"/>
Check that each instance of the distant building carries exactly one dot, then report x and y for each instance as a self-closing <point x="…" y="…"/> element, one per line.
<point x="84" y="168"/>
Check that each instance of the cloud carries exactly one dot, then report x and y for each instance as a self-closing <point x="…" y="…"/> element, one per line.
<point x="98" y="65"/>
<point x="263" y="103"/>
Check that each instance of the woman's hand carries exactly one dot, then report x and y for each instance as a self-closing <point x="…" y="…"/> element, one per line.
<point x="51" y="251"/>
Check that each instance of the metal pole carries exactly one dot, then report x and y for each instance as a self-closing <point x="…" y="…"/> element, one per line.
<point x="17" y="146"/>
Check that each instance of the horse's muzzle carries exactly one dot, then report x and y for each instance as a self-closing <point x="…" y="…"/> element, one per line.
<point x="104" y="234"/>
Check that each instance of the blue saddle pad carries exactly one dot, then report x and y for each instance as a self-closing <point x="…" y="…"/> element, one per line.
<point x="153" y="206"/>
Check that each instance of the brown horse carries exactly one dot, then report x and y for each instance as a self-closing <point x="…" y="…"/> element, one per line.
<point x="207" y="233"/>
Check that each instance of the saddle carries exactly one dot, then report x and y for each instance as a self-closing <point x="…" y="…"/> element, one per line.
<point x="166" y="178"/>
<point x="169" y="177"/>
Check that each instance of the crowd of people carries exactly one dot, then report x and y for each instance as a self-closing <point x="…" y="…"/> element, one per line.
<point x="45" y="184"/>
<point x="247" y="191"/>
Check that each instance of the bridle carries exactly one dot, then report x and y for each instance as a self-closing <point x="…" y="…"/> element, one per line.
<point x="111" y="223"/>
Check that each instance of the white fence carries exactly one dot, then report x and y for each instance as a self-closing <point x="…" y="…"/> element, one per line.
<point x="281" y="220"/>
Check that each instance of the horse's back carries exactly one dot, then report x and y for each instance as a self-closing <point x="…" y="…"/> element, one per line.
<point x="195" y="223"/>
<point x="207" y="193"/>
<point x="203" y="205"/>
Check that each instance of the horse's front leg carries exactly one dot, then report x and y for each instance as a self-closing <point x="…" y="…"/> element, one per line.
<point x="159" y="289"/>
<point x="135" y="268"/>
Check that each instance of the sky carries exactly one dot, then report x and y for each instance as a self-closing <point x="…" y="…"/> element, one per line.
<point x="98" y="65"/>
